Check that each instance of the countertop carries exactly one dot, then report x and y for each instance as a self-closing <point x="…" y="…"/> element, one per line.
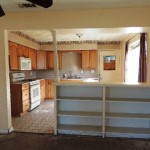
<point x="104" y="84"/>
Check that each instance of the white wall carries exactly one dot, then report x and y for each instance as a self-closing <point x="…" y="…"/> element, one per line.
<point x="98" y="18"/>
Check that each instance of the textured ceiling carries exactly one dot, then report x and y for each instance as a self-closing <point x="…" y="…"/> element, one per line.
<point x="70" y="34"/>
<point x="45" y="36"/>
<point x="109" y="34"/>
<point x="12" y="5"/>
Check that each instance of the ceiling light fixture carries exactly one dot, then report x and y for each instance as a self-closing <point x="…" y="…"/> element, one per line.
<point x="79" y="35"/>
<point x="1" y="11"/>
<point x="42" y="3"/>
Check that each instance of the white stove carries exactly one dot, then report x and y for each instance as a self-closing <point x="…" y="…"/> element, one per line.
<point x="35" y="96"/>
<point x="34" y="82"/>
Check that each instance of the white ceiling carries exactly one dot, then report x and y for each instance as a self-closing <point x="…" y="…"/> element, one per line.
<point x="70" y="34"/>
<point x="12" y="5"/>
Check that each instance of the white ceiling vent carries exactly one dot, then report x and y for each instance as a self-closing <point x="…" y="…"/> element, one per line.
<point x="27" y="5"/>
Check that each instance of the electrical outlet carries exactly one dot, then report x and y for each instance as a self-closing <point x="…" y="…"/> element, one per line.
<point x="82" y="71"/>
<point x="92" y="71"/>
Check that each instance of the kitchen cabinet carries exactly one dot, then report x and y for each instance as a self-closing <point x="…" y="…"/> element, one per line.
<point x="16" y="51"/>
<point x="19" y="98"/>
<point x="93" y="59"/>
<point x="13" y="56"/>
<point x="50" y="60"/>
<point x="26" y="52"/>
<point x="32" y="56"/>
<point x="49" y="89"/>
<point x="42" y="89"/>
<point x="23" y="51"/>
<point x="41" y="59"/>
<point x="85" y="59"/>
<point x="20" y="50"/>
<point x="89" y="59"/>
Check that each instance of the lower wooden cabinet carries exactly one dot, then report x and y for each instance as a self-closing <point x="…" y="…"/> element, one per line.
<point x="19" y="99"/>
<point x="49" y="89"/>
<point x="42" y="88"/>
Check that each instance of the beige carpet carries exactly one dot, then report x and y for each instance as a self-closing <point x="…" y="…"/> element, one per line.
<point x="39" y="120"/>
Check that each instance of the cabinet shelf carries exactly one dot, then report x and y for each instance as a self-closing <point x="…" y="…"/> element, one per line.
<point x="127" y="130"/>
<point x="79" y="98"/>
<point x="104" y="111"/>
<point x="86" y="128"/>
<point x="128" y="115"/>
<point x="80" y="113"/>
<point x="132" y="100"/>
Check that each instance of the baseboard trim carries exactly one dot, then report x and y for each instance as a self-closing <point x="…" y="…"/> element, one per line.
<point x="6" y="131"/>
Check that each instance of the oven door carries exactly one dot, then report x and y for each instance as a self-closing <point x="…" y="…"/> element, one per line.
<point x="35" y="93"/>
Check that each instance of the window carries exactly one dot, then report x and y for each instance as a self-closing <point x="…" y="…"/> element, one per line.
<point x="132" y="63"/>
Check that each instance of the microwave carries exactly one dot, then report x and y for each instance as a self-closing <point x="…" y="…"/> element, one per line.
<point x="24" y="63"/>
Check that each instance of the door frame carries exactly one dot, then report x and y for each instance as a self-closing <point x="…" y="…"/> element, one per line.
<point x="121" y="61"/>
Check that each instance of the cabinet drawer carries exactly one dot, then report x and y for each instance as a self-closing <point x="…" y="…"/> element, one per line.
<point x="26" y="105"/>
<point x="25" y="95"/>
<point x="25" y="86"/>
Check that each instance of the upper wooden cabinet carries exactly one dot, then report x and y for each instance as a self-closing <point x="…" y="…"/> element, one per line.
<point x="26" y="52"/>
<point x="50" y="60"/>
<point x="20" y="50"/>
<point x="16" y="51"/>
<point x="85" y="59"/>
<point x="32" y="56"/>
<point x="41" y="59"/>
<point x="89" y="59"/>
<point x="93" y="59"/>
<point x="14" y="65"/>
<point x="23" y="51"/>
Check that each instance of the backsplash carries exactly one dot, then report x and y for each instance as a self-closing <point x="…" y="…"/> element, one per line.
<point x="71" y="64"/>
<point x="49" y="74"/>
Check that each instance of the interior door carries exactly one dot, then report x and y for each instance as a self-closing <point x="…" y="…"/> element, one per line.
<point x="110" y="66"/>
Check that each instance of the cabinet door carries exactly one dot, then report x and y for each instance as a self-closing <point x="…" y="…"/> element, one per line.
<point x="49" y="89"/>
<point x="50" y="58"/>
<point x="14" y="65"/>
<point x="26" y="52"/>
<point x="42" y="86"/>
<point x="41" y="60"/>
<point x="23" y="51"/>
<point x="20" y="51"/>
<point x="85" y="59"/>
<point x="32" y="56"/>
<point x="93" y="59"/>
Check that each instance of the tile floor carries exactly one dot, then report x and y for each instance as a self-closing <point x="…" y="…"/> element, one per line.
<point x="39" y="120"/>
